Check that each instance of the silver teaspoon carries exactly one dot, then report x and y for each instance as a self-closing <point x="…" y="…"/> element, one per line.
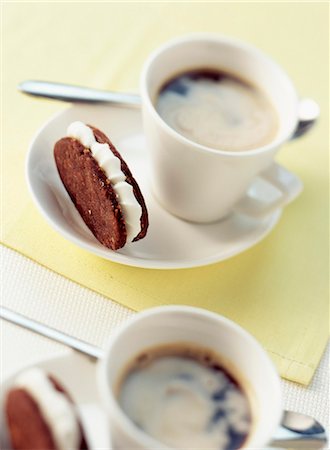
<point x="297" y="431"/>
<point x="70" y="93"/>
<point x="308" y="111"/>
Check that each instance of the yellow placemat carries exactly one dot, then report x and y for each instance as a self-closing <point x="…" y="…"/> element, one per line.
<point x="279" y="289"/>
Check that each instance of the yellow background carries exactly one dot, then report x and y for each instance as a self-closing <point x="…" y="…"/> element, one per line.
<point x="279" y="289"/>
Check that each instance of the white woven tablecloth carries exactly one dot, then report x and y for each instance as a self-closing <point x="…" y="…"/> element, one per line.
<point x="47" y="297"/>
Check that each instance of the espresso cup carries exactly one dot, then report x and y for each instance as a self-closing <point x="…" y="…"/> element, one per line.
<point x="201" y="184"/>
<point x="169" y="325"/>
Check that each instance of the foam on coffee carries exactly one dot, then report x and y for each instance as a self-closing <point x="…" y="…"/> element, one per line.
<point x="182" y="396"/>
<point x="218" y="110"/>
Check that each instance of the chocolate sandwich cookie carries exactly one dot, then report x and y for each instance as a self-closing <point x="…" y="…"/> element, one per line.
<point x="101" y="186"/>
<point x="41" y="415"/>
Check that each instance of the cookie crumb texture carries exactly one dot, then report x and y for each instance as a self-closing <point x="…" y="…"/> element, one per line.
<point x="93" y="194"/>
<point x="26" y="426"/>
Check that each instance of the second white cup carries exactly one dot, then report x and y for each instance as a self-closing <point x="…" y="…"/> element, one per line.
<point x="178" y="324"/>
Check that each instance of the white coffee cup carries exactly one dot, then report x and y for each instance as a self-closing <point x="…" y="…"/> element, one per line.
<point x="196" y="182"/>
<point x="174" y="324"/>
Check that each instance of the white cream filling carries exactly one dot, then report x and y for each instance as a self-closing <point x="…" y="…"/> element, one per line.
<point x="111" y="166"/>
<point x="57" y="411"/>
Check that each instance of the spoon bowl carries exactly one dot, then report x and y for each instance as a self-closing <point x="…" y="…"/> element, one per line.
<point x="298" y="431"/>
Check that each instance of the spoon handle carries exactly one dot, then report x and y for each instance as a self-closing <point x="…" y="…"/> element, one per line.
<point x="51" y="333"/>
<point x="70" y="93"/>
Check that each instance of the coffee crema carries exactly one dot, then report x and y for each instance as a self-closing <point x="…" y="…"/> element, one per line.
<point x="218" y="110"/>
<point x="183" y="397"/>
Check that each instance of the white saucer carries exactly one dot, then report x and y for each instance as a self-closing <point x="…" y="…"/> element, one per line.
<point x="77" y="374"/>
<point x="170" y="243"/>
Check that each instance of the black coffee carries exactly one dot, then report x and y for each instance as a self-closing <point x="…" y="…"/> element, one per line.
<point x="218" y="110"/>
<point x="182" y="396"/>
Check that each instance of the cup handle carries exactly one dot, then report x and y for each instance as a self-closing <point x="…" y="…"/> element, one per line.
<point x="272" y="189"/>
